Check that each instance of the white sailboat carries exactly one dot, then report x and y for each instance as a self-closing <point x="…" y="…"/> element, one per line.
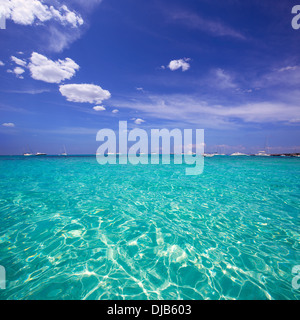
<point x="264" y="153"/>
<point x="27" y="153"/>
<point x="65" y="152"/>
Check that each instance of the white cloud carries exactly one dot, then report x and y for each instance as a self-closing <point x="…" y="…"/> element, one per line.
<point x="2" y="63"/>
<point x="115" y="111"/>
<point x="191" y="109"/>
<point x="287" y="76"/>
<point x="65" y="16"/>
<point x="99" y="108"/>
<point x="28" y="12"/>
<point x="139" y="121"/>
<point x="44" y="69"/>
<point x="18" y="71"/>
<point x="8" y="124"/>
<point x="212" y="26"/>
<point x="84" y="93"/>
<point x="18" y="61"/>
<point x="177" y="64"/>
<point x="288" y="68"/>
<point x="59" y="38"/>
<point x="223" y="80"/>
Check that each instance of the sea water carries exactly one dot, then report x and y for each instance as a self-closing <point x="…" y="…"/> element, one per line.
<point x="73" y="229"/>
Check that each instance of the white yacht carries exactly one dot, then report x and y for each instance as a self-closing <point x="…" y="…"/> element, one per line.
<point x="238" y="154"/>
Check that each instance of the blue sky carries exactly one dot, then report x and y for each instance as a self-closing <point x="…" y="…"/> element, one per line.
<point x="70" y="68"/>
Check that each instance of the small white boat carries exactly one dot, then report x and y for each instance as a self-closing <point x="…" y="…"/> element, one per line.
<point x="238" y="154"/>
<point x="208" y="155"/>
<point x="262" y="154"/>
<point x="64" y="153"/>
<point x="27" y="154"/>
<point x="40" y="154"/>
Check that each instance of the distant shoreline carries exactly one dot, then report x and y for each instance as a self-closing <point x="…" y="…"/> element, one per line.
<point x="297" y="154"/>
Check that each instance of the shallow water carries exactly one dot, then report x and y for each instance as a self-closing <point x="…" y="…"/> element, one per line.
<point x="73" y="229"/>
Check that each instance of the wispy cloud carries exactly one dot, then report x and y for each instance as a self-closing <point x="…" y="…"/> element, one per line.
<point x="18" y="61"/>
<point x="284" y="76"/>
<point x="8" y="124"/>
<point x="27" y="91"/>
<point x="222" y="79"/>
<point x="191" y="109"/>
<point x="211" y="26"/>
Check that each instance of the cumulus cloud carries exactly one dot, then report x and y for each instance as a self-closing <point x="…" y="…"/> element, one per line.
<point x="99" y="108"/>
<point x="18" y="61"/>
<point x="84" y="93"/>
<point x="44" y="69"/>
<point x="177" y="64"/>
<point x="29" y="12"/>
<point x="8" y="125"/>
<point x="18" y="71"/>
<point x="115" y="111"/>
<point x="2" y="63"/>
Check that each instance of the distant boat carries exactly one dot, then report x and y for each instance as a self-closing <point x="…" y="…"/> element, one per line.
<point x="27" y="152"/>
<point x="238" y="154"/>
<point x="208" y="155"/>
<point x="65" y="152"/>
<point x="40" y="154"/>
<point x="262" y="154"/>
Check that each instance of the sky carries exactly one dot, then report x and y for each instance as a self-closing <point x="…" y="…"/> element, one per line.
<point x="70" y="68"/>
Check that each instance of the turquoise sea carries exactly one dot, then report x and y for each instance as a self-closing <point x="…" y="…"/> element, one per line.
<point x="73" y="229"/>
